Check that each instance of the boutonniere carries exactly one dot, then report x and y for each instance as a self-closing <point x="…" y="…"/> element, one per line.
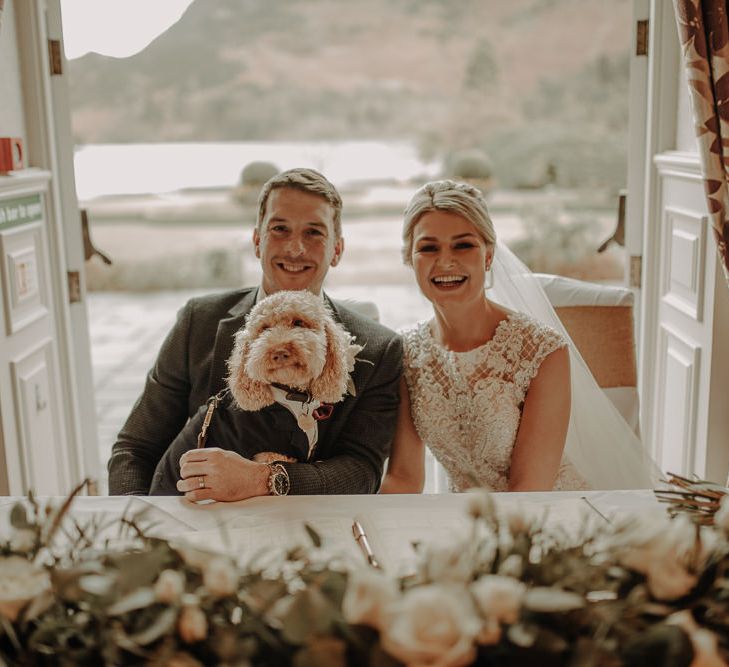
<point x="352" y="351"/>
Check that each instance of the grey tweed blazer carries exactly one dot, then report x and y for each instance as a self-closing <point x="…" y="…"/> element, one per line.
<point x="191" y="366"/>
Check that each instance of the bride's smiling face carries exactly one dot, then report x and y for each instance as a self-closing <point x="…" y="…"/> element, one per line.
<point x="449" y="257"/>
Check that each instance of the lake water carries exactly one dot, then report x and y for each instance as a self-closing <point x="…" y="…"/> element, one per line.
<point x="115" y="169"/>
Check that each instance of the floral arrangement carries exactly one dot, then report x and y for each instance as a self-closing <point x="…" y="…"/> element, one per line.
<point x="646" y="591"/>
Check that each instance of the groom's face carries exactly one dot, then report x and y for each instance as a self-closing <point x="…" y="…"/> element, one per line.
<point x="296" y="242"/>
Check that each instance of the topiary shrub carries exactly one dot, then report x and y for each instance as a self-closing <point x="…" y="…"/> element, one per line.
<point x="252" y="178"/>
<point x="470" y="165"/>
<point x="257" y="173"/>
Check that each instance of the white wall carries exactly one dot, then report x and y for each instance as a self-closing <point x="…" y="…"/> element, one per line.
<point x="11" y="104"/>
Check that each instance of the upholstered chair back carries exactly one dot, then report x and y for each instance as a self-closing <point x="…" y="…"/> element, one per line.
<point x="599" y="319"/>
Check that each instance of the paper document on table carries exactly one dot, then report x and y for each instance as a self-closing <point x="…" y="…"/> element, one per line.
<point x="566" y="518"/>
<point x="256" y="540"/>
<point x="391" y="536"/>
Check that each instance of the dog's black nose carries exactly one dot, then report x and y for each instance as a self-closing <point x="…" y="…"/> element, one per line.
<point x="282" y="354"/>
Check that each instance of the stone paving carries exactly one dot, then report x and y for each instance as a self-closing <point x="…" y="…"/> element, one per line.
<point x="127" y="330"/>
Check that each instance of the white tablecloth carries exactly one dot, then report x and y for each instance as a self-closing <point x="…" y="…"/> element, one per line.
<point x="175" y="515"/>
<point x="261" y="527"/>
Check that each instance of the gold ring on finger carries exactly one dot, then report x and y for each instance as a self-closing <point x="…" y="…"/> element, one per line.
<point x="201" y="482"/>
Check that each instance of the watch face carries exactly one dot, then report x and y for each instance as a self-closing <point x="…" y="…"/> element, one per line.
<point x="280" y="482"/>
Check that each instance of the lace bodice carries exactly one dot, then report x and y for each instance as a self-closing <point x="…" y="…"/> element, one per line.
<point x="466" y="406"/>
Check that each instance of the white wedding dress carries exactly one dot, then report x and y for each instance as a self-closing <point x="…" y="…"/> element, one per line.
<point x="472" y="437"/>
<point x="466" y="406"/>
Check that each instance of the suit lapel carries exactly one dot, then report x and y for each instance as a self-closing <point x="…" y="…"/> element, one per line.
<point x="224" y="340"/>
<point x="332" y="305"/>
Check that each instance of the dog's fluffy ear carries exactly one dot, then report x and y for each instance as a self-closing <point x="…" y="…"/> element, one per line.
<point x="331" y="385"/>
<point x="248" y="393"/>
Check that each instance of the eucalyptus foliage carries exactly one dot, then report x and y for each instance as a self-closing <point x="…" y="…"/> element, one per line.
<point x="510" y="593"/>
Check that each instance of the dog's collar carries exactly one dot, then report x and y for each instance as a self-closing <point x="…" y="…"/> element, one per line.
<point x="293" y="394"/>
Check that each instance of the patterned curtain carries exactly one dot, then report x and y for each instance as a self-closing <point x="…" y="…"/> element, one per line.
<point x="704" y="34"/>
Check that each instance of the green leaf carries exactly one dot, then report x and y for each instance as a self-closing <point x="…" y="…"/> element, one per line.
<point x="665" y="645"/>
<point x="309" y="614"/>
<point x="19" y="517"/>
<point x="7" y="627"/>
<point x="66" y="581"/>
<point x="260" y="595"/>
<point x="313" y="535"/>
<point x="549" y="600"/>
<point x="38" y="605"/>
<point x="163" y="624"/>
<point x="96" y="584"/>
<point x="334" y="586"/>
<point x="522" y="635"/>
<point x="139" y="599"/>
<point x="140" y="568"/>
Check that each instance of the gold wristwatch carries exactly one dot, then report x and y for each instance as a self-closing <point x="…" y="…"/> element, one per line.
<point x="278" y="480"/>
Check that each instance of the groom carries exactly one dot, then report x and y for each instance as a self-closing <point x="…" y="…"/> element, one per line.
<point x="297" y="238"/>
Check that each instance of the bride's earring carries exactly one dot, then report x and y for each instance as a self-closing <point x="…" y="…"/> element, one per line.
<point x="489" y="281"/>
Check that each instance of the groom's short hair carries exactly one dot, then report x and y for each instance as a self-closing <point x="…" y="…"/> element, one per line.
<point x="306" y="180"/>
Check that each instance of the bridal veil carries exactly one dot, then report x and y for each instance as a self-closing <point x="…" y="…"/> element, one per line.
<point x="600" y="443"/>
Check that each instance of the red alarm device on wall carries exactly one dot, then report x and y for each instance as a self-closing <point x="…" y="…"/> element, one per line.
<point x="11" y="154"/>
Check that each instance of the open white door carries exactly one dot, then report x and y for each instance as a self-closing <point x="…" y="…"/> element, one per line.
<point x="48" y="430"/>
<point x="684" y="349"/>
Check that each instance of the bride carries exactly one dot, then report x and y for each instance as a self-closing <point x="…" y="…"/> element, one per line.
<point x="502" y="398"/>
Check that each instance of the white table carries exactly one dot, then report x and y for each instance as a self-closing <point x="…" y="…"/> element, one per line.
<point x="393" y="521"/>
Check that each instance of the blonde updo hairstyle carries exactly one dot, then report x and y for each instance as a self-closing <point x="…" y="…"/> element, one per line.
<point x="453" y="197"/>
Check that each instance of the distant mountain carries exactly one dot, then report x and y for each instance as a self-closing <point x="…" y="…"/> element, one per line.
<point x="444" y="74"/>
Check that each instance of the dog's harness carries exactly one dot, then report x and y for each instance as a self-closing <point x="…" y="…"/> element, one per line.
<point x="306" y="410"/>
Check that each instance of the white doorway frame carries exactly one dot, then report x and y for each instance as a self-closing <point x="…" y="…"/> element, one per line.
<point x="663" y="64"/>
<point x="50" y="147"/>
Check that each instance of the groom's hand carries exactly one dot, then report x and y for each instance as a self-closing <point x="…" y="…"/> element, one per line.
<point x="218" y="474"/>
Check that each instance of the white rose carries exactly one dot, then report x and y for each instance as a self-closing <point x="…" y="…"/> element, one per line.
<point x="220" y="578"/>
<point x="721" y="518"/>
<point x="448" y="562"/>
<point x="22" y="540"/>
<point x="170" y="585"/>
<point x="499" y="597"/>
<point x="352" y="351"/>
<point x="20" y="582"/>
<point x="432" y="626"/>
<point x="512" y="566"/>
<point x="668" y="553"/>
<point x="667" y="580"/>
<point x="193" y="556"/>
<point x="480" y="503"/>
<point x="517" y="519"/>
<point x="367" y="596"/>
<point x="490" y="633"/>
<point x="192" y="624"/>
